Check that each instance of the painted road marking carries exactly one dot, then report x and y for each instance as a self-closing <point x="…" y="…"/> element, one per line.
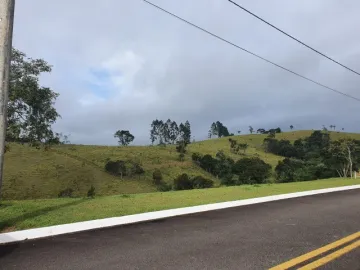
<point x="331" y="257"/>
<point x="316" y="252"/>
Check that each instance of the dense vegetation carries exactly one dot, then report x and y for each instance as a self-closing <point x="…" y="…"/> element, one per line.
<point x="314" y="157"/>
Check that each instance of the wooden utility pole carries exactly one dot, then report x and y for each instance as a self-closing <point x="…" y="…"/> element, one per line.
<point x="7" y="9"/>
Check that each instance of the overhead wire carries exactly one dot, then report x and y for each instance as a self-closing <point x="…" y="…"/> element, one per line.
<point x="249" y="52"/>
<point x="292" y="37"/>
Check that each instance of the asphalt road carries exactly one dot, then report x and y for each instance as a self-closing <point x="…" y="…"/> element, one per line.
<point x="250" y="237"/>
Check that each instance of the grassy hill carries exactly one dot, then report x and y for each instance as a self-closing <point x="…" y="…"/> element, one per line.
<point x="32" y="173"/>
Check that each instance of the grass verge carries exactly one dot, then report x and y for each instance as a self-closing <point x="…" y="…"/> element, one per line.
<point x="17" y="215"/>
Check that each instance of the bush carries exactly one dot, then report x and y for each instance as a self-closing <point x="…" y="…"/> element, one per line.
<point x="304" y="174"/>
<point x="286" y="168"/>
<point x="182" y="182"/>
<point x="181" y="156"/>
<point x="157" y="177"/>
<point x="281" y="148"/>
<point x="163" y="187"/>
<point x="251" y="171"/>
<point x="66" y="193"/>
<point x="290" y="170"/>
<point x="122" y="168"/>
<point x="136" y="168"/>
<point x="228" y="180"/>
<point x="202" y="182"/>
<point x="208" y="163"/>
<point x="196" y="157"/>
<point x="116" y="167"/>
<point x="181" y="147"/>
<point x="91" y="192"/>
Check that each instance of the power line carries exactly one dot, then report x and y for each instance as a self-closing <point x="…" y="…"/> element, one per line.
<point x="290" y="36"/>
<point x="249" y="52"/>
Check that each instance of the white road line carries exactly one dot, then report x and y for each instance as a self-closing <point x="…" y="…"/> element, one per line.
<point x="17" y="236"/>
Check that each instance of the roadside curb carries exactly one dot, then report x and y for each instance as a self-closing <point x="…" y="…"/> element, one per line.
<point x="18" y="236"/>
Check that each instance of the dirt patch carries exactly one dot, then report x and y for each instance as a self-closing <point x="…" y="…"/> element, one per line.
<point x="8" y="229"/>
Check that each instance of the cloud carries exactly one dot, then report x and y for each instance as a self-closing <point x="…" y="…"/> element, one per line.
<point x="121" y="64"/>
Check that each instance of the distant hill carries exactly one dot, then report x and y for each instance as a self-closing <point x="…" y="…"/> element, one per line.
<point x="32" y="173"/>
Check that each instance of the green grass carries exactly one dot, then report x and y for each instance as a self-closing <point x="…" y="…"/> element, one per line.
<point x="31" y="173"/>
<point x="36" y="174"/>
<point x="16" y="215"/>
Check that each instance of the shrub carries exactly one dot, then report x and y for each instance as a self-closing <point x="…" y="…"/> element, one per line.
<point x="202" y="182"/>
<point x="181" y="146"/>
<point x="286" y="168"/>
<point x="136" y="168"/>
<point x="251" y="170"/>
<point x="66" y="193"/>
<point x="182" y="182"/>
<point x="181" y="156"/>
<point x="163" y="187"/>
<point x="116" y="167"/>
<point x="228" y="180"/>
<point x="208" y="163"/>
<point x="196" y="157"/>
<point x="157" y="177"/>
<point x="91" y="192"/>
<point x="304" y="174"/>
<point x="290" y="170"/>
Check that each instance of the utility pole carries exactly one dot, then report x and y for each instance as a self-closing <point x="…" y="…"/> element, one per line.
<point x="7" y="9"/>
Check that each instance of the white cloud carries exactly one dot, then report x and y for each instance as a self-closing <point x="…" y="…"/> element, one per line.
<point x="121" y="64"/>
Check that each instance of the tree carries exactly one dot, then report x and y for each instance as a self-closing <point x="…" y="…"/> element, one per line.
<point x="243" y="147"/>
<point x="239" y="131"/>
<point x="344" y="156"/>
<point x="157" y="131"/>
<point x="291" y="127"/>
<point x="251" y="170"/>
<point x="286" y="168"/>
<point x="218" y="129"/>
<point x="208" y="163"/>
<point x="157" y="177"/>
<point x="223" y="165"/>
<point x="181" y="149"/>
<point x="124" y="137"/>
<point x="185" y="132"/>
<point x="271" y="133"/>
<point x="117" y="167"/>
<point x="31" y="111"/>
<point x="174" y="132"/>
<point x="169" y="132"/>
<point x="213" y="131"/>
<point x="233" y="144"/>
<point x="201" y="182"/>
<point x="251" y="129"/>
<point x="261" y="131"/>
<point x="183" y="182"/>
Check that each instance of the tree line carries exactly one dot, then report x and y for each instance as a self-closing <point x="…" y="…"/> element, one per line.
<point x="314" y="157"/>
<point x="247" y="170"/>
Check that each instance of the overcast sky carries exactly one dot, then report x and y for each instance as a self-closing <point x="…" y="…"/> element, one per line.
<point x="119" y="64"/>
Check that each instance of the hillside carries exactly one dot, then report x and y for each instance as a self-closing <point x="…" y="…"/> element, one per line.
<point x="32" y="173"/>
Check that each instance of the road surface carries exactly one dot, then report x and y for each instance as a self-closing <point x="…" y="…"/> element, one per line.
<point x="258" y="236"/>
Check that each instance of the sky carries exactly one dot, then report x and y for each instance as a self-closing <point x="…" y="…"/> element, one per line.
<point x="119" y="64"/>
